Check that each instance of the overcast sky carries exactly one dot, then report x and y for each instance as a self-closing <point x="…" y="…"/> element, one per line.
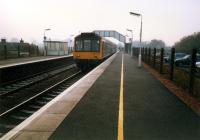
<point x="168" y="20"/>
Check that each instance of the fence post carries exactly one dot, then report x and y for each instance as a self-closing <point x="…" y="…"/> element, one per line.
<point x="5" y="52"/>
<point x="154" y="57"/>
<point x="29" y="50"/>
<point x="0" y="76"/>
<point x="131" y="51"/>
<point x="142" y="53"/>
<point x="171" y="73"/>
<point x="149" y="56"/>
<point x="161" y="60"/>
<point x="192" y="70"/>
<point x="18" y="51"/>
<point x="37" y="51"/>
<point x="146" y="55"/>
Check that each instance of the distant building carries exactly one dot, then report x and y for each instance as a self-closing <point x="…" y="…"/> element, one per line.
<point x="16" y="49"/>
<point x="136" y="44"/>
<point x="56" y="48"/>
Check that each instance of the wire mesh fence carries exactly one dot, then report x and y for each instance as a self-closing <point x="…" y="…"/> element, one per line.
<point x="181" y="68"/>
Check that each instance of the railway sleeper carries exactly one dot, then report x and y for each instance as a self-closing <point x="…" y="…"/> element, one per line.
<point x="19" y="117"/>
<point x="27" y="111"/>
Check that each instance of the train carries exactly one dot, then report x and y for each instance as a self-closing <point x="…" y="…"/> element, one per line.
<point x="91" y="49"/>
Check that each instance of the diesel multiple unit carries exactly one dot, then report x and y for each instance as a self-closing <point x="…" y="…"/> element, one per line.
<point x="91" y="49"/>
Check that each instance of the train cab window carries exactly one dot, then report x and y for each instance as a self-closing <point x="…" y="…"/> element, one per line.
<point x="87" y="45"/>
<point x="95" y="45"/>
<point x="79" y="45"/>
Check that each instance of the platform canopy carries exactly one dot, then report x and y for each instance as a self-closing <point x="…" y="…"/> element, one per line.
<point x="110" y="33"/>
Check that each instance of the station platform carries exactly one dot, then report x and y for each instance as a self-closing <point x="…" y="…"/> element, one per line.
<point x="19" y="61"/>
<point x="89" y="110"/>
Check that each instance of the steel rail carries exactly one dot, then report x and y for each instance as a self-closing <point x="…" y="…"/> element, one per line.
<point x="39" y="94"/>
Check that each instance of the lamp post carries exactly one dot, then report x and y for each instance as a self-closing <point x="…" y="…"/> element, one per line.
<point x="71" y="42"/>
<point x="45" y="49"/>
<point x="126" y="48"/>
<point x="140" y="56"/>
<point x="131" y="40"/>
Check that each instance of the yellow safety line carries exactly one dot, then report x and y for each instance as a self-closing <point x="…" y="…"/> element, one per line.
<point x="121" y="108"/>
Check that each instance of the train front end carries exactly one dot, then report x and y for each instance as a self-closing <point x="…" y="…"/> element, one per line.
<point x="87" y="50"/>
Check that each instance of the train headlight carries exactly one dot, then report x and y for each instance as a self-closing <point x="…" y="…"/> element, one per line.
<point x="78" y="56"/>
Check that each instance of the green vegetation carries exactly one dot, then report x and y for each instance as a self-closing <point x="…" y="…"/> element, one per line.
<point x="188" y="43"/>
<point x="158" y="44"/>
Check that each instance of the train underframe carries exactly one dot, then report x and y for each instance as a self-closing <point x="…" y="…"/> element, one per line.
<point x="88" y="64"/>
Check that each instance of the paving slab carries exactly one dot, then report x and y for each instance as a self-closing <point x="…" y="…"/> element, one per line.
<point x="151" y="111"/>
<point x="95" y="117"/>
<point x="33" y="136"/>
<point x="48" y="118"/>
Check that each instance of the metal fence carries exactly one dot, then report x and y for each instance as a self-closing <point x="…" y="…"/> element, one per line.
<point x="17" y="50"/>
<point x="183" y="69"/>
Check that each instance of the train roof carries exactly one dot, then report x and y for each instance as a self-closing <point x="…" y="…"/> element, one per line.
<point x="108" y="41"/>
<point x="88" y="35"/>
<point x="93" y="35"/>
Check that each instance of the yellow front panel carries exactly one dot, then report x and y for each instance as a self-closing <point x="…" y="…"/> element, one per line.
<point x="87" y="55"/>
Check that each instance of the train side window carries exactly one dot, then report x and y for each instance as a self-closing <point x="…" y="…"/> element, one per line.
<point x="87" y="45"/>
<point x="79" y="45"/>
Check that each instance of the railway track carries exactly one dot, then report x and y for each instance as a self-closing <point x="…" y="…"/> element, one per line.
<point x="12" y="117"/>
<point x="14" y="87"/>
<point x="23" y="93"/>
